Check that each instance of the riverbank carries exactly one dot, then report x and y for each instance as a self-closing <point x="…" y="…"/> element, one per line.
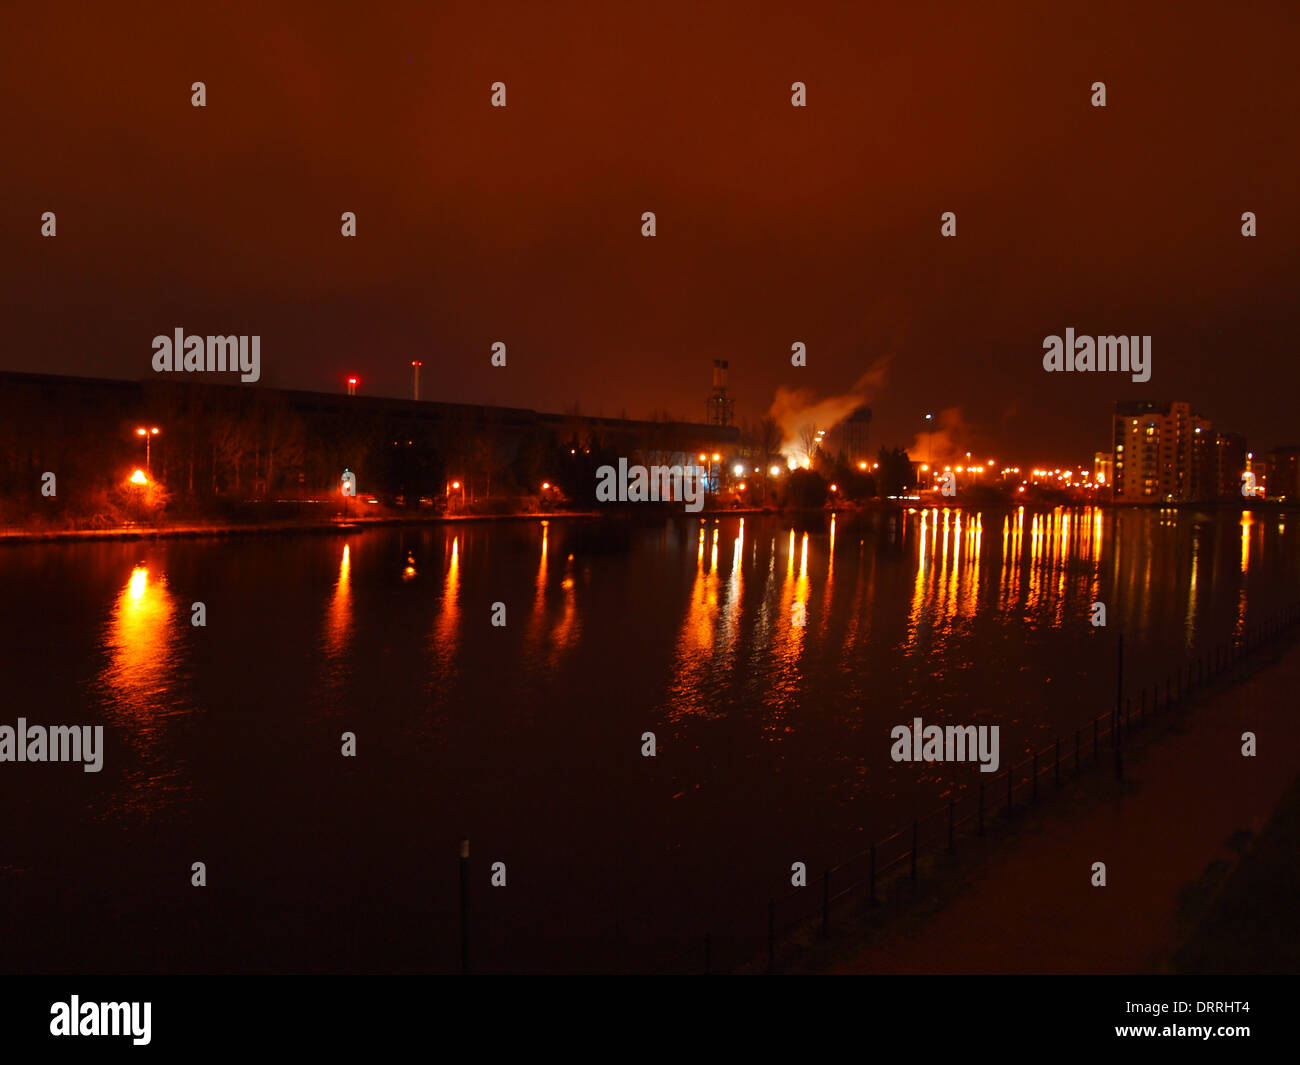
<point x="201" y="527"/>
<point x="320" y="525"/>
<point x="1023" y="901"/>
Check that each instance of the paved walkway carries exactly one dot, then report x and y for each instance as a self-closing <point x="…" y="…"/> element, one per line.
<point x="1033" y="909"/>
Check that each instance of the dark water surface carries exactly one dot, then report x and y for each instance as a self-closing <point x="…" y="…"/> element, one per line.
<point x="223" y="742"/>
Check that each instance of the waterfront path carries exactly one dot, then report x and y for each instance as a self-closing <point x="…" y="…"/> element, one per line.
<point x="1032" y="909"/>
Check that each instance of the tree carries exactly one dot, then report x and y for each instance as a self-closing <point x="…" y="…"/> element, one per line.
<point x="809" y="443"/>
<point x="895" y="473"/>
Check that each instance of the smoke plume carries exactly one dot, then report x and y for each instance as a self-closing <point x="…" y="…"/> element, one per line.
<point x="797" y="410"/>
<point x="946" y="443"/>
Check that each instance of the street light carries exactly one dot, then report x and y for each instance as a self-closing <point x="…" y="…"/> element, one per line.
<point x="928" y="441"/>
<point x="148" y="435"/>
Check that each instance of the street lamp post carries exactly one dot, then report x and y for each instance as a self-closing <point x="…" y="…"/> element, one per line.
<point x="928" y="458"/>
<point x="148" y="435"/>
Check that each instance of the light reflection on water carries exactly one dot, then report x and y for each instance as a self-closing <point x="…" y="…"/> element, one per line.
<point x="139" y="685"/>
<point x="772" y="734"/>
<point x="777" y="619"/>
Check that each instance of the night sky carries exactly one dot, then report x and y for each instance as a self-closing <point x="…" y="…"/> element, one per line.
<point x="775" y="224"/>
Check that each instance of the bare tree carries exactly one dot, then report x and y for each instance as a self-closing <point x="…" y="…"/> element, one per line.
<point x="808" y="441"/>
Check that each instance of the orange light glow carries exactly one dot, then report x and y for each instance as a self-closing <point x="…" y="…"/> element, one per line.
<point x="139" y="478"/>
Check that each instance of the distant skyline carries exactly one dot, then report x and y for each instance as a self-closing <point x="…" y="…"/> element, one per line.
<point x="775" y="224"/>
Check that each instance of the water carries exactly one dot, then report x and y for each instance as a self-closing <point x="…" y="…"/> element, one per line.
<point x="223" y="742"/>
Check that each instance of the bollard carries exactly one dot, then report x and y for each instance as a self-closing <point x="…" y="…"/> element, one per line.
<point x="771" y="934"/>
<point x="464" y="905"/>
<point x="1119" y="673"/>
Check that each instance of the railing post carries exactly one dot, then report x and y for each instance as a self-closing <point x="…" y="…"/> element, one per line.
<point x="914" y="836"/>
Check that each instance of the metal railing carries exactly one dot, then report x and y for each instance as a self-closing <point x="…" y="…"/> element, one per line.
<point x="1017" y="787"/>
